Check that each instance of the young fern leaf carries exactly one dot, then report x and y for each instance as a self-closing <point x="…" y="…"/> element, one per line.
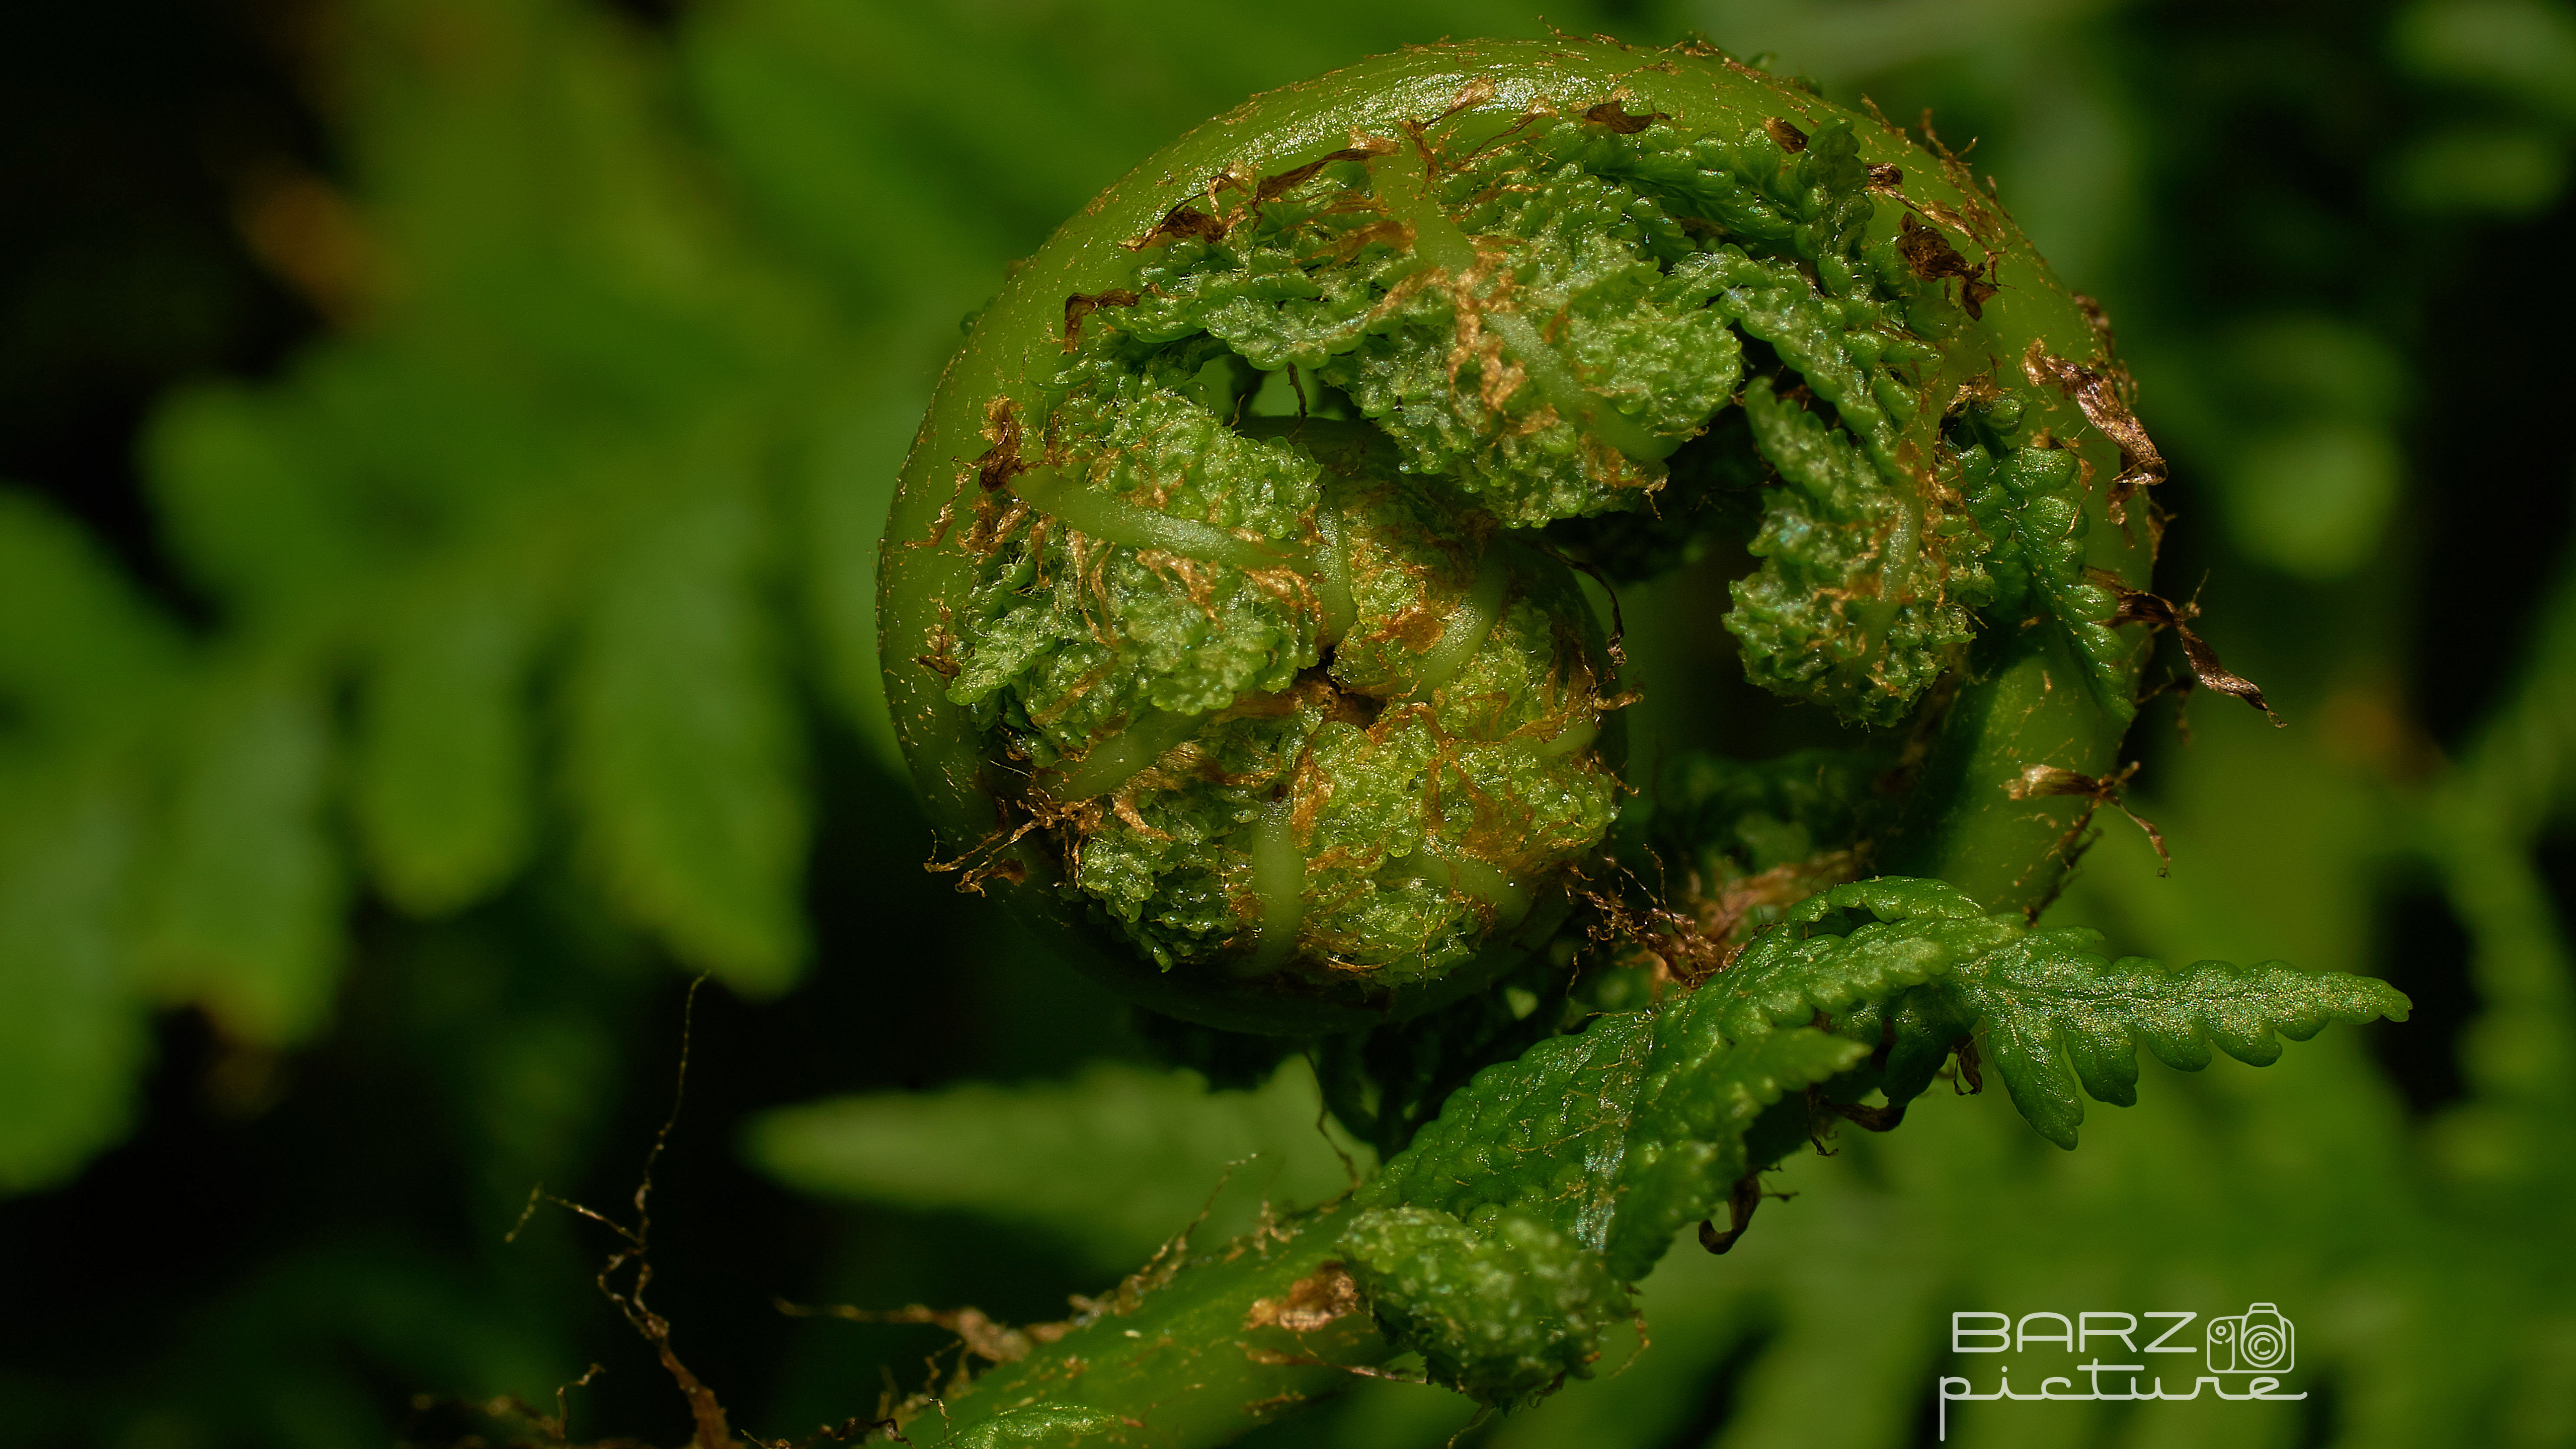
<point x="444" y="756"/>
<point x="2049" y="1008"/>
<point x="1694" y="1134"/>
<point x="2053" y="1010"/>
<point x="2030" y="502"/>
<point x="249" y="886"/>
<point x="686" y="755"/>
<point x="1495" y="1244"/>
<point x="1922" y="928"/>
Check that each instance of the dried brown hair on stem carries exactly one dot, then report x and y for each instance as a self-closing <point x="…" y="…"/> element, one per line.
<point x="2137" y="606"/>
<point x="987" y="860"/>
<point x="983" y="1335"/>
<point x="521" y="1424"/>
<point x="1931" y="258"/>
<point x="2180" y="687"/>
<point x="1963" y="1054"/>
<point x="1740" y="1203"/>
<point x="1984" y="224"/>
<point x="1364" y="148"/>
<point x="633" y="1255"/>
<point x="2104" y="394"/>
<point x="1636" y="924"/>
<point x="1327" y="1294"/>
<point x="1081" y="305"/>
<point x="2040" y="781"/>
<point x="1788" y="137"/>
<point x="1178" y="223"/>
<point x="997" y="465"/>
<point x="1612" y="114"/>
<point x="1688" y="937"/>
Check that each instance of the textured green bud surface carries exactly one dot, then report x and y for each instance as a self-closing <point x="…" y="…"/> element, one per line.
<point x="1352" y="759"/>
<point x="1503" y="1314"/>
<point x="1618" y="1137"/>
<point x="1221" y="606"/>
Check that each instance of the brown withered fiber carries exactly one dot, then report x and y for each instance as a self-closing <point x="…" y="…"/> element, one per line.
<point x="1930" y="256"/>
<point x="2104" y="395"/>
<point x="1079" y="306"/>
<point x="2137" y="606"/>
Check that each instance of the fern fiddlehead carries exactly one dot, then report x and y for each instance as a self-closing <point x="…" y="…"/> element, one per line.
<point x="1233" y="631"/>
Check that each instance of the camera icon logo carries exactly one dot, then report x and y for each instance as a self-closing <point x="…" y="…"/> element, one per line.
<point x="2259" y="1340"/>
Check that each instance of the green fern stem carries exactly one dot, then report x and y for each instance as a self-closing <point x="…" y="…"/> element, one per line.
<point x="1196" y="1356"/>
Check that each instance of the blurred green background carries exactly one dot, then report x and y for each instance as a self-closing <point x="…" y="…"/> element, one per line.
<point x="445" y="442"/>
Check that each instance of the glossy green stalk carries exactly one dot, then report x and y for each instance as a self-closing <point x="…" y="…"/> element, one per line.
<point x="1964" y="824"/>
<point x="1212" y="1349"/>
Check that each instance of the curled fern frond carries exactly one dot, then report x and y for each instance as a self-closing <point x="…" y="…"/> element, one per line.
<point x="1233" y="626"/>
<point x="1227" y="614"/>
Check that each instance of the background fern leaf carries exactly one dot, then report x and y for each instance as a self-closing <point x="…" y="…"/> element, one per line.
<point x="685" y="756"/>
<point x="1113" y="1162"/>
<point x="247" y="885"/>
<point x="71" y="1042"/>
<point x="85" y="667"/>
<point x="442" y="764"/>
